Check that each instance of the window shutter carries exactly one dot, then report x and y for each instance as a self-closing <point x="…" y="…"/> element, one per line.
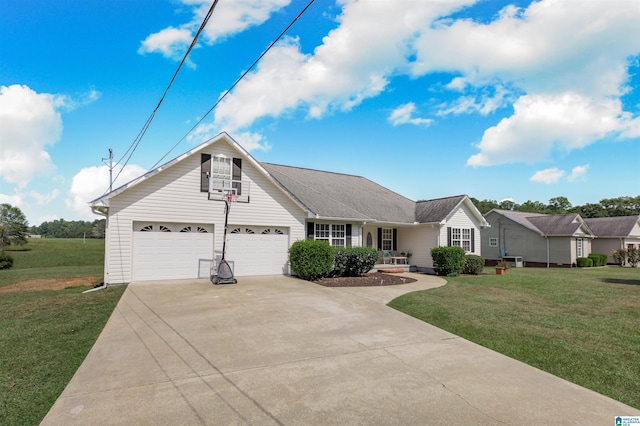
<point x="311" y="230"/>
<point x="205" y="169"/>
<point x="236" y="174"/>
<point x="347" y="232"/>
<point x="379" y="238"/>
<point x="473" y="241"/>
<point x="394" y="244"/>
<point x="448" y="236"/>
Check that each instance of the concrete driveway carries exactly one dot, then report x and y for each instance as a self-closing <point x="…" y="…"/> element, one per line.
<point x="277" y="350"/>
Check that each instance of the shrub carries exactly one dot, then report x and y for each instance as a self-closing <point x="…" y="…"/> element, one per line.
<point x="353" y="261"/>
<point x="620" y="256"/>
<point x="599" y="259"/>
<point x="6" y="261"/>
<point x="473" y="264"/>
<point x="633" y="257"/>
<point x="448" y="261"/>
<point x="584" y="262"/>
<point x="310" y="259"/>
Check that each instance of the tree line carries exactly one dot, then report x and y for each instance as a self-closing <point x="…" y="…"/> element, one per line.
<point x="607" y="207"/>
<point x="61" y="228"/>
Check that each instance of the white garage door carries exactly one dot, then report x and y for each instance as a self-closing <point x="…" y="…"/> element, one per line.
<point x="171" y="251"/>
<point x="257" y="250"/>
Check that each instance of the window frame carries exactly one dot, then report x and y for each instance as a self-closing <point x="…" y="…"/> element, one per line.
<point x="387" y="239"/>
<point x="461" y="237"/>
<point x="493" y="242"/>
<point x="333" y="233"/>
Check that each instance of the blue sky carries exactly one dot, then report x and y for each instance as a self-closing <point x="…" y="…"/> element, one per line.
<point x="495" y="99"/>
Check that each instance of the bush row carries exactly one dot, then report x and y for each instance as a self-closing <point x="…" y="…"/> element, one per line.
<point x="312" y="260"/>
<point x="599" y="259"/>
<point x="452" y="261"/>
<point x="584" y="262"/>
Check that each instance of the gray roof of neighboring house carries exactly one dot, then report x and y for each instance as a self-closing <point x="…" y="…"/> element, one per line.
<point x="435" y="211"/>
<point x="558" y="224"/>
<point x="619" y="226"/>
<point x="338" y="195"/>
<point x="546" y="224"/>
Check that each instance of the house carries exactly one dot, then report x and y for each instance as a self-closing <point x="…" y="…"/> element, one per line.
<point x="539" y="239"/>
<point x="613" y="233"/>
<point x="169" y="223"/>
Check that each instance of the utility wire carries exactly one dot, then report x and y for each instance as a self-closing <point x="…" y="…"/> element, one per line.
<point x="134" y="145"/>
<point x="237" y="81"/>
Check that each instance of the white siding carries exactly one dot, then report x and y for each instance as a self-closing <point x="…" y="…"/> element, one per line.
<point x="420" y="240"/>
<point x="463" y="218"/>
<point x="173" y="195"/>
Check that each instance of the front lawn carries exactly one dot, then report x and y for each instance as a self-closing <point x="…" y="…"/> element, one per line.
<point x="45" y="335"/>
<point x="578" y="324"/>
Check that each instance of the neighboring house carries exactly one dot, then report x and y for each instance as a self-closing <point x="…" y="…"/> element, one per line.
<point x="540" y="239"/>
<point x="169" y="223"/>
<point x="613" y="233"/>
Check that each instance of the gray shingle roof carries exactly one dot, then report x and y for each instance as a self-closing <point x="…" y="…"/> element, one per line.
<point x="546" y="224"/>
<point x="557" y="224"/>
<point x="522" y="218"/>
<point x="619" y="226"/>
<point x="338" y="195"/>
<point x="435" y="211"/>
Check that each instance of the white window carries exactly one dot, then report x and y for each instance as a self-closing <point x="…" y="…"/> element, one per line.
<point x="461" y="237"/>
<point x="334" y="234"/>
<point x="493" y="242"/>
<point x="387" y="239"/>
<point x="580" y="247"/>
<point x="221" y="171"/>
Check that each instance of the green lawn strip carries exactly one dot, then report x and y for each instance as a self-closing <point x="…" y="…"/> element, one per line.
<point x="578" y="324"/>
<point x="44" y="337"/>
<point x="52" y="258"/>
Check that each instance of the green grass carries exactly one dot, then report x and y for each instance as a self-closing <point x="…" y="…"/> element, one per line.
<point x="48" y="258"/>
<point x="578" y="324"/>
<point x="45" y="335"/>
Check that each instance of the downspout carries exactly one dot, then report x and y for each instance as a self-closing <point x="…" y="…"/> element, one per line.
<point x="547" y="238"/>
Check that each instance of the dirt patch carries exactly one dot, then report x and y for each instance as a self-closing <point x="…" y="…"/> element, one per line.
<point x="51" y="284"/>
<point x="374" y="279"/>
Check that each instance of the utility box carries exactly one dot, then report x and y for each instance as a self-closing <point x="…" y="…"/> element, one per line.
<point x="514" y="261"/>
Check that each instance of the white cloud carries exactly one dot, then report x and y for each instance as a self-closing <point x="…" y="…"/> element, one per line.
<point x="44" y="198"/>
<point x="91" y="182"/>
<point x="548" y="176"/>
<point x="228" y="18"/>
<point x="567" y="57"/>
<point x="16" y="200"/>
<point x="354" y="62"/>
<point x="170" y="42"/>
<point x="578" y="173"/>
<point x="542" y="123"/>
<point x="404" y="115"/>
<point x="30" y="122"/>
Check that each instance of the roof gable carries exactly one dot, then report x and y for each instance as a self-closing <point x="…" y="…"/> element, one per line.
<point x="102" y="202"/>
<point x="618" y="227"/>
<point x="550" y="225"/>
<point x="437" y="210"/>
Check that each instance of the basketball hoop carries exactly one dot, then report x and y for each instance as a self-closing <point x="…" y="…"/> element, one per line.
<point x="230" y="197"/>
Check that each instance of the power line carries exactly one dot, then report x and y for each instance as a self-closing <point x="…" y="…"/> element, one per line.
<point x="237" y="81"/>
<point x="134" y="145"/>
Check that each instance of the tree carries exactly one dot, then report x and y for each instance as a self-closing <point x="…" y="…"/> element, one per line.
<point x="13" y="226"/>
<point x="485" y="206"/>
<point x="533" y="207"/>
<point x="559" y="205"/>
<point x="508" y="205"/>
